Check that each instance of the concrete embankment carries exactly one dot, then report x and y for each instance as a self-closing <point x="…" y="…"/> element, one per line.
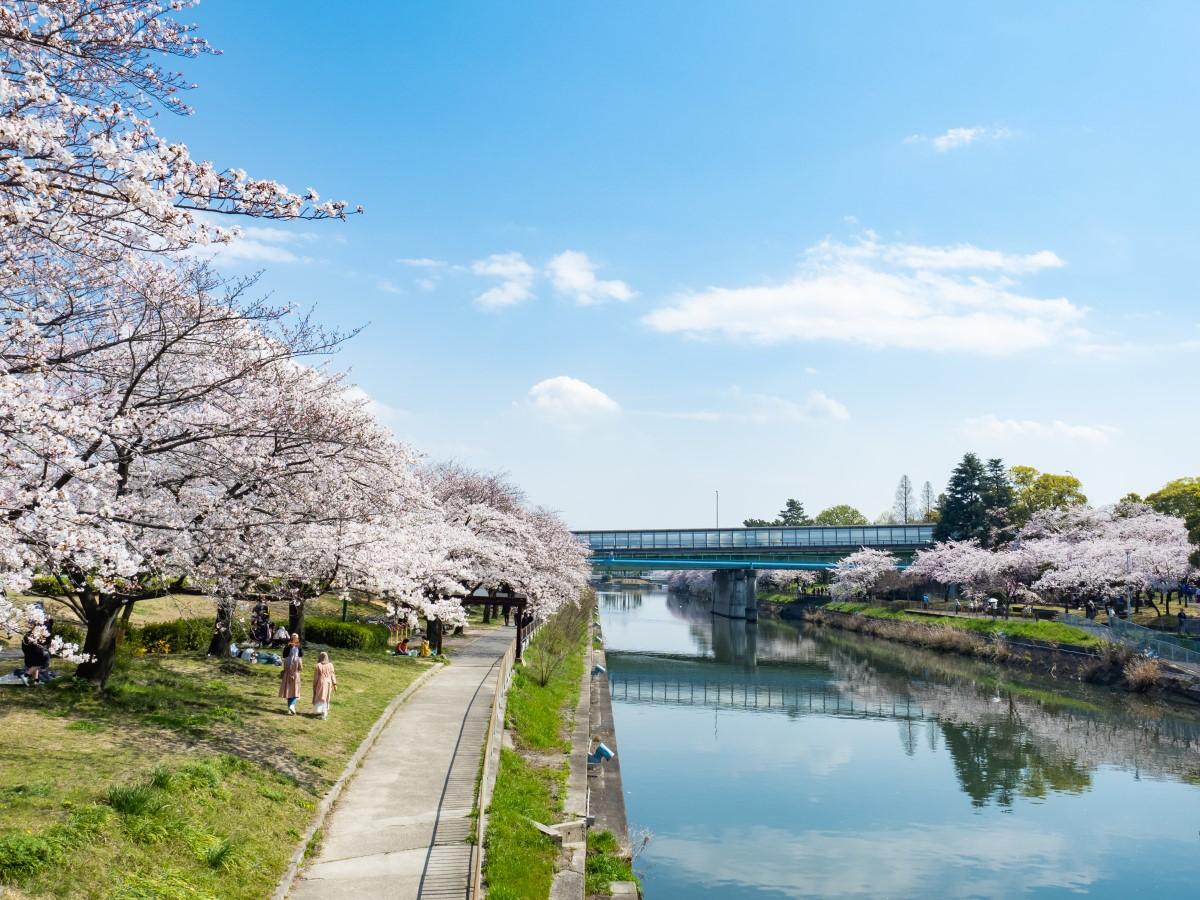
<point x="604" y="780"/>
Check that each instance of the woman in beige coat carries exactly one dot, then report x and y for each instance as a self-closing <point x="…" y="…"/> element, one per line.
<point x="324" y="683"/>
<point x="289" y="678"/>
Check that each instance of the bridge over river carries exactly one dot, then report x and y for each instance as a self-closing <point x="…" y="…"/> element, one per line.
<point x="736" y="554"/>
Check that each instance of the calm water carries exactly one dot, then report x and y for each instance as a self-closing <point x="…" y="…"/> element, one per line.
<point x="775" y="761"/>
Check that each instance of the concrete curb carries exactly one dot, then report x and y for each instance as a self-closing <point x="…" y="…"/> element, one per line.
<point x="326" y="804"/>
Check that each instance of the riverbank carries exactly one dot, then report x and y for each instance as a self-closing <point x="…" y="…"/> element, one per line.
<point x="1048" y="648"/>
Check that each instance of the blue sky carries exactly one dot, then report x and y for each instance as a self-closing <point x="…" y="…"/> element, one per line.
<point x="634" y="253"/>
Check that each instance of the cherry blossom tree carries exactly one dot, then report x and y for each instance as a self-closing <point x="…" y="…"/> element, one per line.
<point x="857" y="574"/>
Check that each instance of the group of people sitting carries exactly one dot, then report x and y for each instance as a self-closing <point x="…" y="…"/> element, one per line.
<point x="262" y="632"/>
<point x="403" y="649"/>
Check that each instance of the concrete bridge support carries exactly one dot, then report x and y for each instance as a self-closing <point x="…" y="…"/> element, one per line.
<point x="744" y="588"/>
<point x="733" y="594"/>
<point x="723" y="595"/>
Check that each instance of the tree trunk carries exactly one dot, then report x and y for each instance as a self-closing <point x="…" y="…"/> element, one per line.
<point x="100" y="642"/>
<point x="435" y="637"/>
<point x="222" y="630"/>
<point x="123" y="627"/>
<point x="296" y="618"/>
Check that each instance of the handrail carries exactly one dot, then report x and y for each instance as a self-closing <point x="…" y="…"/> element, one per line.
<point x="488" y="769"/>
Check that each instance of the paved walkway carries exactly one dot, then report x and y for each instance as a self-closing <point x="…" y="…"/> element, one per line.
<point x="401" y="827"/>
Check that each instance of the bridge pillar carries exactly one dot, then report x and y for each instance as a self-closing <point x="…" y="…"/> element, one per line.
<point x="726" y="596"/>
<point x="748" y="597"/>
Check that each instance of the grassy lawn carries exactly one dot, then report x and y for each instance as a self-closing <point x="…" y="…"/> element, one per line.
<point x="185" y="780"/>
<point x="531" y="781"/>
<point x="189" y="606"/>
<point x="1051" y="632"/>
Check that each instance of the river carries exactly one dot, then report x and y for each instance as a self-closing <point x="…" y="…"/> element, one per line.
<point x="778" y="761"/>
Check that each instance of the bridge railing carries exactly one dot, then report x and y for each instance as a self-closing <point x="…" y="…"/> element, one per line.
<point x="759" y="538"/>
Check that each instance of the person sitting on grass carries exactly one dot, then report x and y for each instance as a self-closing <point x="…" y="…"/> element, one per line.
<point x="402" y="647"/>
<point x="36" y="657"/>
<point x="324" y="684"/>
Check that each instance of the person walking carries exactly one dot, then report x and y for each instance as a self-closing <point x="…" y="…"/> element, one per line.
<point x="324" y="684"/>
<point x="289" y="678"/>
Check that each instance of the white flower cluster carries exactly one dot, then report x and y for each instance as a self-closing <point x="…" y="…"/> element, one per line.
<point x="157" y="426"/>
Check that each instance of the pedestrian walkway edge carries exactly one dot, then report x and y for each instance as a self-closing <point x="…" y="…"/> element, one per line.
<point x="326" y="804"/>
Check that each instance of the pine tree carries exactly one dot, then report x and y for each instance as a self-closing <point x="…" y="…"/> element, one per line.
<point x="906" y="504"/>
<point x="998" y="495"/>
<point x="964" y="513"/>
<point x="793" y="514"/>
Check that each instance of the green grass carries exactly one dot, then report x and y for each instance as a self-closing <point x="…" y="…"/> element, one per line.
<point x="605" y="864"/>
<point x="1049" y="632"/>
<point x="535" y="714"/>
<point x="520" y="859"/>
<point x="519" y="864"/>
<point x="184" y="780"/>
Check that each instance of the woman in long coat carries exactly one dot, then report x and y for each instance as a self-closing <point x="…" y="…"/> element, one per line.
<point x="289" y="678"/>
<point x="324" y="683"/>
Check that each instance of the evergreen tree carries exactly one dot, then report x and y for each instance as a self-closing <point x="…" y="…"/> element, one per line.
<point x="964" y="512"/>
<point x="905" y="506"/>
<point x="998" y="496"/>
<point x="793" y="514"/>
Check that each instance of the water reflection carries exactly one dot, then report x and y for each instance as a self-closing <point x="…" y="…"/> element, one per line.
<point x="837" y="765"/>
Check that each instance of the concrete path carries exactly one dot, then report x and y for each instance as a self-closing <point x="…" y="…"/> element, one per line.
<point x="401" y="827"/>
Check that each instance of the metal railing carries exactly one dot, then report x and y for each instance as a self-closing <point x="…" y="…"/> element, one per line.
<point x="1144" y="640"/>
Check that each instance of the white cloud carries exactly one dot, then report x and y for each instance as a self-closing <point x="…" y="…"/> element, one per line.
<point x="422" y="262"/>
<point x="385" y="415"/>
<point x="568" y="397"/>
<point x="574" y="275"/>
<point x="258" y="243"/>
<point x="983" y="860"/>
<point x="886" y="295"/>
<point x="516" y="279"/>
<point x="954" y="138"/>
<point x="994" y="427"/>
<point x="767" y="409"/>
<point x="968" y="256"/>
<point x="388" y="287"/>
<point x="426" y="284"/>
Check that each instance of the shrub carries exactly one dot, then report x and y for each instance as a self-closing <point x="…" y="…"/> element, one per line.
<point x="1143" y="673"/>
<point x="177" y="636"/>
<point x="348" y="635"/>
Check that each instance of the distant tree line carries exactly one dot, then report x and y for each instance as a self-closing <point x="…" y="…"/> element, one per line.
<point x="988" y="502"/>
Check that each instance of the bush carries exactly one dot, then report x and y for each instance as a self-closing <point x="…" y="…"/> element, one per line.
<point x="347" y="635"/>
<point x="177" y="636"/>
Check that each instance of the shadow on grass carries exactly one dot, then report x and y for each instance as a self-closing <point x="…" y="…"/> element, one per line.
<point x="152" y="701"/>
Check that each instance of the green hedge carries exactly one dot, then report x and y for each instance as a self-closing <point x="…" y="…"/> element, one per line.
<point x="183" y="635"/>
<point x="348" y="635"/>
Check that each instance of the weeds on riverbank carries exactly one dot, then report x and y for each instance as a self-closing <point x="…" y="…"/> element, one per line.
<point x="1142" y="673"/>
<point x="531" y="781"/>
<point x="1043" y="631"/>
<point x="605" y="864"/>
